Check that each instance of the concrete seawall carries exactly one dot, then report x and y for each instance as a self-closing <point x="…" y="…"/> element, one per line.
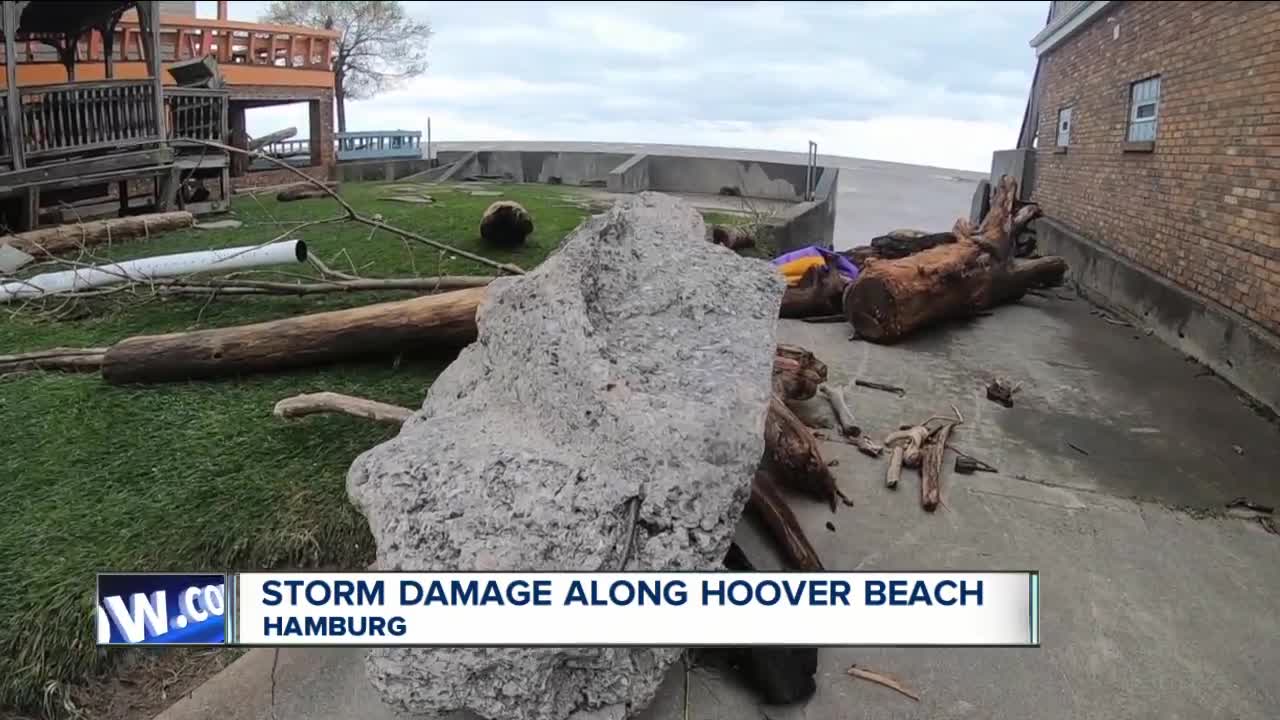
<point x="808" y="222"/>
<point x="1238" y="350"/>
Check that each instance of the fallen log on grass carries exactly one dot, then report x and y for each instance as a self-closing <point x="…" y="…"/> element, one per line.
<point x="331" y="402"/>
<point x="305" y="192"/>
<point x="893" y="298"/>
<point x="268" y="287"/>
<point x="63" y="359"/>
<point x="444" y="321"/>
<point x="69" y="238"/>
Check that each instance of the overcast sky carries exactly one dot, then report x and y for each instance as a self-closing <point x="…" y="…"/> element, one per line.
<point x="937" y="83"/>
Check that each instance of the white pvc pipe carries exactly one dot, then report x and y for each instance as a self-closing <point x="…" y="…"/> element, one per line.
<point x="154" y="268"/>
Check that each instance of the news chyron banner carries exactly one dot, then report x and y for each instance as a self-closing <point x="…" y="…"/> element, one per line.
<point x="573" y="609"/>
<point x="638" y="608"/>
<point x="164" y="609"/>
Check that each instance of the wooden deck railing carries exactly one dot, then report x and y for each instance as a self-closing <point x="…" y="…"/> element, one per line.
<point x="76" y="117"/>
<point x="196" y="114"/>
<point x="229" y="41"/>
<point x="377" y="144"/>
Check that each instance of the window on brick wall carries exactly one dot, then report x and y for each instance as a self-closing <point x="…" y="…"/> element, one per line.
<point x="1144" y="110"/>
<point x="1064" y="126"/>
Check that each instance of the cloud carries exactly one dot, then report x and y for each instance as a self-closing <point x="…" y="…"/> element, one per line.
<point x="616" y="32"/>
<point x="937" y="83"/>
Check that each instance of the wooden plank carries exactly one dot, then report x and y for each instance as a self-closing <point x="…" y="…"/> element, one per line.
<point x="18" y="179"/>
<point x="82" y="180"/>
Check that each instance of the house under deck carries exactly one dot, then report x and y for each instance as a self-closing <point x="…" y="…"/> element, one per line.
<point x="67" y="149"/>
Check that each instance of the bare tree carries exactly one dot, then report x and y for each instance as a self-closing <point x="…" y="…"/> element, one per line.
<point x="380" y="46"/>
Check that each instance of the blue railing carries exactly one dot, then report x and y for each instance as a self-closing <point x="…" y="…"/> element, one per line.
<point x="378" y="144"/>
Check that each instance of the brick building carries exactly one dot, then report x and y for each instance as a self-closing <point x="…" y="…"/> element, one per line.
<point x="1157" y="162"/>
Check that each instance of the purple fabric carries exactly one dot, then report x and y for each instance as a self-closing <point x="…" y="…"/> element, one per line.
<point x="840" y="262"/>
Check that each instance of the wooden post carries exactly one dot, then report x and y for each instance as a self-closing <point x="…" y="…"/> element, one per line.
<point x="222" y="9"/>
<point x="68" y="52"/>
<point x="108" y="46"/>
<point x="14" y="93"/>
<point x="149" y="19"/>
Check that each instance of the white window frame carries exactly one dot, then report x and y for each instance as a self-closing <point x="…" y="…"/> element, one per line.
<point x="1062" y="138"/>
<point x="1149" y="90"/>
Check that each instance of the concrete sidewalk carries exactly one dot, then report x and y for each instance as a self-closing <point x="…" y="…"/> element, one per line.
<point x="1154" y="602"/>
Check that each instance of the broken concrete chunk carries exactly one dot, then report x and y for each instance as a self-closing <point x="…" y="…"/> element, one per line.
<point x="634" y="363"/>
<point x="11" y="259"/>
<point x="414" y="199"/>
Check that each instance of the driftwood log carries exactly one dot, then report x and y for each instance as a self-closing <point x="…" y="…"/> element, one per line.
<point x="893" y="298"/>
<point x="62" y="359"/>
<point x="931" y="467"/>
<point x="304" y="192"/>
<point x="70" y="238"/>
<point x="792" y="455"/>
<point x="769" y="506"/>
<point x="331" y="402"/>
<point x="444" y="321"/>
<point x="901" y="243"/>
<point x="819" y="292"/>
<point x="844" y="416"/>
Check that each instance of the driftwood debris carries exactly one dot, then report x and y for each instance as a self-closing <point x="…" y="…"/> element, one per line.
<point x="900" y="444"/>
<point x="901" y="243"/>
<point x="769" y="506"/>
<point x="893" y="298"/>
<point x="306" y="192"/>
<point x="224" y="288"/>
<point x="797" y="373"/>
<point x="884" y="679"/>
<point x="844" y="416"/>
<point x="881" y="386"/>
<point x="447" y="320"/>
<point x="931" y="463"/>
<point x="331" y="402"/>
<point x="70" y="238"/>
<point x="793" y="456"/>
<point x="818" y="293"/>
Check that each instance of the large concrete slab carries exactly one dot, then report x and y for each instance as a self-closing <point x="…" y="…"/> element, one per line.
<point x="1154" y="603"/>
<point x="874" y="197"/>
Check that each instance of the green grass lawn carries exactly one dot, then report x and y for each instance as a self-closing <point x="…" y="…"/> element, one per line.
<point x="200" y="476"/>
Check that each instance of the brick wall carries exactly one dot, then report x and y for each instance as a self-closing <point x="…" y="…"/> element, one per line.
<point x="267" y="178"/>
<point x="322" y="111"/>
<point x="1203" y="207"/>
